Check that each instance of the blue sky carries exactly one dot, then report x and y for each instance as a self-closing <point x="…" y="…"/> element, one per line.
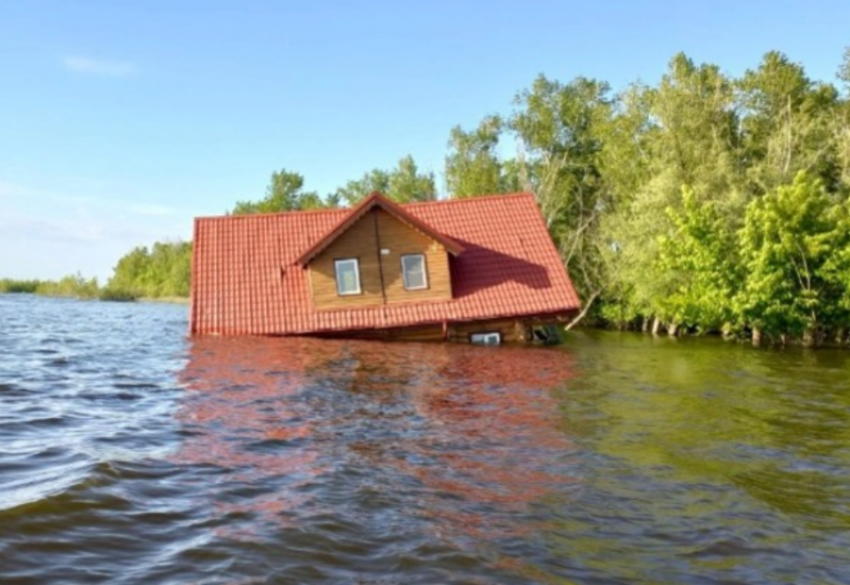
<point x="120" y="121"/>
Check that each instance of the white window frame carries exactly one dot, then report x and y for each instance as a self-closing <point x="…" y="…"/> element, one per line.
<point x="486" y="338"/>
<point x="404" y="272"/>
<point x="340" y="262"/>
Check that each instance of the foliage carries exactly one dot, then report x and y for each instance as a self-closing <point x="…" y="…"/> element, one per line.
<point x="404" y="184"/>
<point x="793" y="247"/>
<point x="284" y="193"/>
<point x="8" y="285"/>
<point x="161" y="272"/>
<point x="699" y="253"/>
<point x="73" y="286"/>
<point x="684" y="201"/>
<point x="473" y="165"/>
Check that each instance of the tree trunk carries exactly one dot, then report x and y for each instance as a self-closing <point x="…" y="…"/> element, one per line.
<point x="656" y="326"/>
<point x="809" y="338"/>
<point x="673" y="329"/>
<point x="644" y="327"/>
<point x="584" y="311"/>
<point x="756" y="336"/>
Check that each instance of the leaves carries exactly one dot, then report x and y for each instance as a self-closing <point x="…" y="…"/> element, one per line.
<point x="404" y="184"/>
<point x="793" y="246"/>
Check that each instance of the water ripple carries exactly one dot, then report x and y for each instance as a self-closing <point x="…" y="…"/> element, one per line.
<point x="130" y="454"/>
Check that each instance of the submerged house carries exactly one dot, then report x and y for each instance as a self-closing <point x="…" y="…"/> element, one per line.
<point x="482" y="269"/>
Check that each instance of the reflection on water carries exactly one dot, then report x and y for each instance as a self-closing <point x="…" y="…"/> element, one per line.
<point x="460" y="440"/>
<point x="130" y="454"/>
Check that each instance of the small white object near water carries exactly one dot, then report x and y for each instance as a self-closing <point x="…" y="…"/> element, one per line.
<point x="491" y="338"/>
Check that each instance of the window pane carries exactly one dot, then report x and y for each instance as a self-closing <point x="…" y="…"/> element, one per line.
<point x="413" y="263"/>
<point x="416" y="280"/>
<point x="347" y="277"/>
<point x="413" y="269"/>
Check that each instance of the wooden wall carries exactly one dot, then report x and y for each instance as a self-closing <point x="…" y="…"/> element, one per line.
<point x="399" y="238"/>
<point x="512" y="331"/>
<point x="360" y="242"/>
<point x="376" y="230"/>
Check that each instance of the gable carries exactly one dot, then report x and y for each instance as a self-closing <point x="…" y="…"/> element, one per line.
<point x="377" y="201"/>
<point x="378" y="240"/>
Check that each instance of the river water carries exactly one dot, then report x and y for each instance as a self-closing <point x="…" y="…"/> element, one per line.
<point x="132" y="454"/>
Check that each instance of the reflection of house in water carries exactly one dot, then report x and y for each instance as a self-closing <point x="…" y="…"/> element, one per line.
<point x="442" y="433"/>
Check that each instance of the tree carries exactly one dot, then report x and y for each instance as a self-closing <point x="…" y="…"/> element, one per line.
<point x="473" y="166"/>
<point x="793" y="243"/>
<point x="560" y="128"/>
<point x="403" y="184"/>
<point x="407" y="185"/>
<point x="700" y="254"/>
<point x="787" y="124"/>
<point x="162" y="271"/>
<point x="284" y="193"/>
<point x="686" y="135"/>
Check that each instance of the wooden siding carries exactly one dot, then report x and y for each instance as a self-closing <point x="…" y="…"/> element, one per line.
<point x="511" y="330"/>
<point x="375" y="231"/>
<point x="359" y="242"/>
<point x="400" y="239"/>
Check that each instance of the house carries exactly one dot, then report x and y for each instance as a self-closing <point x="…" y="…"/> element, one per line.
<point x="481" y="269"/>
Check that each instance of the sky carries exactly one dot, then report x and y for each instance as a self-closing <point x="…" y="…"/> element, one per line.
<point x="121" y="121"/>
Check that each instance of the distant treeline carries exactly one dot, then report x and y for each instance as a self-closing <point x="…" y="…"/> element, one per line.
<point x="159" y="272"/>
<point x="73" y="285"/>
<point x="702" y="203"/>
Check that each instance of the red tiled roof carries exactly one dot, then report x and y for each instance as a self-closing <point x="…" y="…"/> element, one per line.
<point x="375" y="199"/>
<point x="246" y="278"/>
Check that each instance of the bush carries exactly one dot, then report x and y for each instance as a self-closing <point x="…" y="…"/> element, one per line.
<point x="7" y="285"/>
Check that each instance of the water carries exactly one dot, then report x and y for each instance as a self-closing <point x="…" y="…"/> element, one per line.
<point x="131" y="454"/>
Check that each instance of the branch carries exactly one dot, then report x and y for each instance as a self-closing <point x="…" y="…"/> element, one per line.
<point x="584" y="311"/>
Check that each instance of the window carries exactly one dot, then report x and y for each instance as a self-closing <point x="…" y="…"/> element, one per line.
<point x="413" y="271"/>
<point x="347" y="276"/>
<point x="490" y="338"/>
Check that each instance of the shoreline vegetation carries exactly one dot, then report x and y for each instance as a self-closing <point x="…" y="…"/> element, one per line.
<point x="160" y="273"/>
<point x="702" y="204"/>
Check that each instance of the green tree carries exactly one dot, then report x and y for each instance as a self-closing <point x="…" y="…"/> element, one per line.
<point x="162" y="271"/>
<point x="403" y="184"/>
<point x="792" y="244"/>
<point x="284" y="193"/>
<point x="560" y="129"/>
<point x="131" y="273"/>
<point x="700" y="254"/>
<point x="473" y="165"/>
<point x="686" y="135"/>
<point x="787" y="124"/>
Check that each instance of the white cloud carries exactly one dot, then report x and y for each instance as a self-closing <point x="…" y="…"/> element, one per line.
<point x="98" y="66"/>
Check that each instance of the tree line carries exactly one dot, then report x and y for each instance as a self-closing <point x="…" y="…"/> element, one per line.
<point x="701" y="203"/>
<point x="159" y="272"/>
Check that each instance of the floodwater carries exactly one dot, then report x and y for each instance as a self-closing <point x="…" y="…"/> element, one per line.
<point x="131" y="454"/>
